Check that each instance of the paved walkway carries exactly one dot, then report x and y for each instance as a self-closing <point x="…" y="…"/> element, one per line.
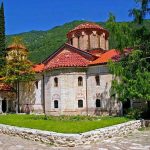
<point x="140" y="140"/>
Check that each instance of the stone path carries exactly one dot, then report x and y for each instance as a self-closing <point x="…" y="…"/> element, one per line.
<point x="139" y="140"/>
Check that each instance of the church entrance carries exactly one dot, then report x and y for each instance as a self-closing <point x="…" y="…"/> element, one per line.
<point x="4" y="106"/>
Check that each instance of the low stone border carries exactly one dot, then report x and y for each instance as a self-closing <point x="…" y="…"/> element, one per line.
<point x="71" y="140"/>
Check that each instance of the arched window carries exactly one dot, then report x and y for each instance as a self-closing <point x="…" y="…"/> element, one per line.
<point x="55" y="82"/>
<point x="80" y="103"/>
<point x="55" y="103"/>
<point x="97" y="80"/>
<point x="80" y="81"/>
<point x="78" y="41"/>
<point x="98" y="103"/>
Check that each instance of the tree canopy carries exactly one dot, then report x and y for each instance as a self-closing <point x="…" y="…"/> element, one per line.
<point x="18" y="68"/>
<point x="132" y="72"/>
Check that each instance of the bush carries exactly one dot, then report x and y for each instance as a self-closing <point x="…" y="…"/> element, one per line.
<point x="134" y="113"/>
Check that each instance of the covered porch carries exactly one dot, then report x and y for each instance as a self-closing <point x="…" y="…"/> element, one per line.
<point x="7" y="99"/>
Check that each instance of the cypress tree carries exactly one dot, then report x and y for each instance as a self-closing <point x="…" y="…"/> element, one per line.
<point x="2" y="36"/>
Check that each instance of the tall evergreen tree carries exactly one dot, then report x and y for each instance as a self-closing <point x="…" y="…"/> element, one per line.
<point x="2" y="36"/>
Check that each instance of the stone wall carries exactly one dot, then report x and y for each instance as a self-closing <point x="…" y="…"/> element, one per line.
<point x="109" y="105"/>
<point x="71" y="140"/>
<point x="67" y="93"/>
<point x="31" y="94"/>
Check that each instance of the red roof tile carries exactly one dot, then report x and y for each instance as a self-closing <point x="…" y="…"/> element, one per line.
<point x="5" y="87"/>
<point x="104" y="58"/>
<point x="38" y="68"/>
<point x="87" y="25"/>
<point x="67" y="58"/>
<point x="97" y="52"/>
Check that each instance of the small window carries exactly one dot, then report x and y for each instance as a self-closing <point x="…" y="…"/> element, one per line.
<point x="78" y="42"/>
<point x="56" y="82"/>
<point x="80" y="81"/>
<point x="56" y="104"/>
<point x="37" y="84"/>
<point x="71" y="41"/>
<point x="98" y="103"/>
<point x="80" y="103"/>
<point x="97" y="80"/>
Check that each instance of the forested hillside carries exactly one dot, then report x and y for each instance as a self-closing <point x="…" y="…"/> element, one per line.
<point x="42" y="43"/>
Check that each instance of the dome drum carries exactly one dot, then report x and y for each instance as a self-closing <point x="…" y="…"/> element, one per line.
<point x="89" y="36"/>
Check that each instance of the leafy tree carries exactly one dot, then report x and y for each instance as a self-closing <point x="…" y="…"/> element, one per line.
<point x="132" y="77"/>
<point x="17" y="68"/>
<point x="2" y="36"/>
<point x="132" y="72"/>
<point x="120" y="33"/>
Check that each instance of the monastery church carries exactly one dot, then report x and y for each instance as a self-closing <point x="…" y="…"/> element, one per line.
<point x="74" y="80"/>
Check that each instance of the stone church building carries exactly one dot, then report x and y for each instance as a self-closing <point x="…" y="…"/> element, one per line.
<point x="74" y="80"/>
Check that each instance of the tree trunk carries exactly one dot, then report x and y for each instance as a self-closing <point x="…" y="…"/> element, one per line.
<point x="17" y="98"/>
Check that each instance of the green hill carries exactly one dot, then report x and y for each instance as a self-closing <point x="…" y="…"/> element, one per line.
<point x="42" y="43"/>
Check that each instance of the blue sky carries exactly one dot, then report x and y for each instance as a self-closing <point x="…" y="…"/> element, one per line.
<point x="26" y="15"/>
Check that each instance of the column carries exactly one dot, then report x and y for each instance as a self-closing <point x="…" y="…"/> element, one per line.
<point x="107" y="44"/>
<point x="16" y="107"/>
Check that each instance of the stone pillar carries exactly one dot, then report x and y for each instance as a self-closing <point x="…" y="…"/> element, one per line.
<point x="16" y="107"/>
<point x="102" y="41"/>
<point x="85" y="42"/>
<point x="107" y="44"/>
<point x="75" y="41"/>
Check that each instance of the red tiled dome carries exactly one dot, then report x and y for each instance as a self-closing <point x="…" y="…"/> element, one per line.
<point x="16" y="46"/>
<point x="87" y="25"/>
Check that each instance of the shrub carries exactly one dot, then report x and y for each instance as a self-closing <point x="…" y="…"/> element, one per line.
<point x="134" y="113"/>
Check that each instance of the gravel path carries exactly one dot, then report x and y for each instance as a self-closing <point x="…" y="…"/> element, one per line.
<point x="139" y="140"/>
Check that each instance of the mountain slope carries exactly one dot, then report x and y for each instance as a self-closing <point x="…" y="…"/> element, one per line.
<point x="43" y="43"/>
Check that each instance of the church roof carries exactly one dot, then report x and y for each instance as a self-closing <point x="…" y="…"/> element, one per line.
<point x="68" y="56"/>
<point x="5" y="87"/>
<point x="97" y="51"/>
<point x="87" y="26"/>
<point x="38" y="68"/>
<point x="65" y="56"/>
<point x="104" y="58"/>
<point x="16" y="46"/>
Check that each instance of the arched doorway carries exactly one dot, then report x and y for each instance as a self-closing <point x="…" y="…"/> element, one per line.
<point x="126" y="106"/>
<point x="4" y="105"/>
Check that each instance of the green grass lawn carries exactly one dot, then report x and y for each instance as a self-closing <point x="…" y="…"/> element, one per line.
<point x="62" y="124"/>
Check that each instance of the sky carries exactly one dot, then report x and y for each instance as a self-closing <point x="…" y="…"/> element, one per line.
<point x="26" y="15"/>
